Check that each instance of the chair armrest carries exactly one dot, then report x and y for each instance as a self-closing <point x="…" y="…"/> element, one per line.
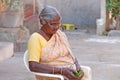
<point x="25" y="59"/>
<point x="87" y="73"/>
<point x="49" y="75"/>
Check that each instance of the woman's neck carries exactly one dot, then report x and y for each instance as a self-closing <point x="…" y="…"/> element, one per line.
<point x="45" y="35"/>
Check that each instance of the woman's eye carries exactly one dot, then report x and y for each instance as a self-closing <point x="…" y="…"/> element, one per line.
<point x="54" y="24"/>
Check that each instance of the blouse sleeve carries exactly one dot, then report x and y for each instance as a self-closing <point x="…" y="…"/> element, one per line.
<point x="34" y="49"/>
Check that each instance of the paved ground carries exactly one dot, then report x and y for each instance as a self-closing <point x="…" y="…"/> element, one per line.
<point x="14" y="69"/>
<point x="101" y="53"/>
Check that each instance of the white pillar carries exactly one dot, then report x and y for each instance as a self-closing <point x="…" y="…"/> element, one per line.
<point x="102" y="21"/>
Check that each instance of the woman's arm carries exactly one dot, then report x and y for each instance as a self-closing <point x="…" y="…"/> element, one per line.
<point x="78" y="68"/>
<point x="37" y="67"/>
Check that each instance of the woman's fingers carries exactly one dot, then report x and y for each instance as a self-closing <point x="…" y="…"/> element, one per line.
<point x="69" y="74"/>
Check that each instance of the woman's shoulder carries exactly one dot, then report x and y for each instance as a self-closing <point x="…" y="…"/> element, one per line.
<point x="35" y="35"/>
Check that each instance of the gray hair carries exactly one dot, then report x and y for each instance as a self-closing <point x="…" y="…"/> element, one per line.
<point x="49" y="13"/>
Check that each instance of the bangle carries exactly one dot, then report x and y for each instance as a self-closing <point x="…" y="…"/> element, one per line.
<point x="61" y="70"/>
<point x="53" y="69"/>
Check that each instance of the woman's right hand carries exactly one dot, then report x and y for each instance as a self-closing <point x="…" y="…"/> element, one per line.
<point x="67" y="72"/>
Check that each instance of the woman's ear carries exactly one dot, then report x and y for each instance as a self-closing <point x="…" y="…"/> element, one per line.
<point x="43" y="22"/>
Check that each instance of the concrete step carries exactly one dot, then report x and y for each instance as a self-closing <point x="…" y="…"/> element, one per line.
<point x="6" y="50"/>
<point x="114" y="33"/>
<point x="21" y="45"/>
<point x="16" y="35"/>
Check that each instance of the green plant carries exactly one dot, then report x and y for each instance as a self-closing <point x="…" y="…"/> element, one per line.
<point x="78" y="74"/>
<point x="113" y="7"/>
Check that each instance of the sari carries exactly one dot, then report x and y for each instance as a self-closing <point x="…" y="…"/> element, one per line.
<point x="56" y="53"/>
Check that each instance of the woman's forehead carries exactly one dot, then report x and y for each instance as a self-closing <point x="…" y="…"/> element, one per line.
<point x="57" y="19"/>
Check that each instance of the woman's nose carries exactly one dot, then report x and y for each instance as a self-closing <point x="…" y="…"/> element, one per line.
<point x="56" y="27"/>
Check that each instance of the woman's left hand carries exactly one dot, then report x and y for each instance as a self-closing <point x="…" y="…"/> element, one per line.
<point x="78" y="68"/>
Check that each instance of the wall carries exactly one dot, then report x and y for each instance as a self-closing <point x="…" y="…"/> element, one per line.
<point x="79" y="12"/>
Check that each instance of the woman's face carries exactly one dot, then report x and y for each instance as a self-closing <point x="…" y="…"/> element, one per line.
<point x="52" y="26"/>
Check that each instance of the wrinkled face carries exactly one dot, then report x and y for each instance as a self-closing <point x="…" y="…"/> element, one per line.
<point x="52" y="26"/>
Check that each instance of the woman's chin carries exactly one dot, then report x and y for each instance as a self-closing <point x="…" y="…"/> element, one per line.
<point x="54" y="31"/>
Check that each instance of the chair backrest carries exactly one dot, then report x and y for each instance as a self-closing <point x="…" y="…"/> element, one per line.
<point x="25" y="59"/>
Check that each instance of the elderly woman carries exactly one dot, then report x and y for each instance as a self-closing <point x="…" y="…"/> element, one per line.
<point x="49" y="50"/>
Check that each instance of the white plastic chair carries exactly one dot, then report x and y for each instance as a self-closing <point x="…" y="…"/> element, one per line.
<point x="39" y="74"/>
<point x="86" y="70"/>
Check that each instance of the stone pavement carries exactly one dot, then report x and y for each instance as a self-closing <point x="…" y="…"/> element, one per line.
<point x="101" y="53"/>
<point x="14" y="69"/>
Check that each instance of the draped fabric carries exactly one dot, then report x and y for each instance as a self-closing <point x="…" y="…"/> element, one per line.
<point x="56" y="53"/>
